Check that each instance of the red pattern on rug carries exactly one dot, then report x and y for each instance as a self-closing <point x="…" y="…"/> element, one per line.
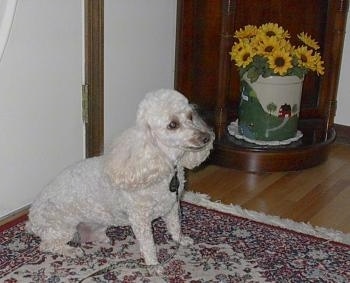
<point x="227" y="249"/>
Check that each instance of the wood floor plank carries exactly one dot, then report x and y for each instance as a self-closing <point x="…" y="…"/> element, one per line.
<point x="252" y="186"/>
<point x="319" y="195"/>
<point x="335" y="214"/>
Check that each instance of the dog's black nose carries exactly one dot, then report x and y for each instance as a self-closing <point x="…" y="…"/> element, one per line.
<point x="206" y="138"/>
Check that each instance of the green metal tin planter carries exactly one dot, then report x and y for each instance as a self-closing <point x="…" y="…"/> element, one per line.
<point x="269" y="108"/>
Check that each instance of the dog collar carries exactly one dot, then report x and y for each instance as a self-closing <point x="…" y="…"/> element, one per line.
<point x="175" y="183"/>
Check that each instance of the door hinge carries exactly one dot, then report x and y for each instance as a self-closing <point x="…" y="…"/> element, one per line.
<point x="85" y="103"/>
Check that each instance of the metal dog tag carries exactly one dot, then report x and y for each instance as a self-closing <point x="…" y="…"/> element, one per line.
<point x="175" y="184"/>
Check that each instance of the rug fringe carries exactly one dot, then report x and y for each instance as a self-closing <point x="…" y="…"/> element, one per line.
<point x="306" y="228"/>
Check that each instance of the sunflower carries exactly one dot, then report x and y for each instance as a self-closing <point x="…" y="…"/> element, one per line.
<point x="271" y="29"/>
<point x="237" y="47"/>
<point x="306" y="39"/>
<point x="280" y="62"/>
<point x="305" y="58"/>
<point x="248" y="31"/>
<point x="266" y="45"/>
<point x="244" y="57"/>
<point x="319" y="67"/>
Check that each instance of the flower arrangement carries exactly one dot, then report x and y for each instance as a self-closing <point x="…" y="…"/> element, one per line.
<point x="267" y="51"/>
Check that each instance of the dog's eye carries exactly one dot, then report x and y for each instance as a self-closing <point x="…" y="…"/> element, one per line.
<point x="173" y="125"/>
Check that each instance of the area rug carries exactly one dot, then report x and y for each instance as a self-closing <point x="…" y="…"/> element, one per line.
<point x="230" y="245"/>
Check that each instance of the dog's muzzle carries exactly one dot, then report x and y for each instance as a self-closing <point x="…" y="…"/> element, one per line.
<point x="200" y="139"/>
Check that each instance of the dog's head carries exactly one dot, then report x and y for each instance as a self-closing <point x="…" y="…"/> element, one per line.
<point x="175" y="126"/>
<point x="168" y="132"/>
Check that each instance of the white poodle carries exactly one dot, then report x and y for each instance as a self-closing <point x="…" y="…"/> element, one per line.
<point x="139" y="180"/>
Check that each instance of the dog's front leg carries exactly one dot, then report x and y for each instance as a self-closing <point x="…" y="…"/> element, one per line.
<point x="142" y="228"/>
<point x="172" y="220"/>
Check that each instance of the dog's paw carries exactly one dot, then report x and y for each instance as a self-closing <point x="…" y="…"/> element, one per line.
<point x="64" y="250"/>
<point x="155" y="270"/>
<point x="72" y="252"/>
<point x="103" y="239"/>
<point x="186" y="241"/>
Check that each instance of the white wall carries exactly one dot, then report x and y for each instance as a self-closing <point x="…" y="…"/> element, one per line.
<point x="343" y="114"/>
<point x="139" y="56"/>
<point x="40" y="80"/>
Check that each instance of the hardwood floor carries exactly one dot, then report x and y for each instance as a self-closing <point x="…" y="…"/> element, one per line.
<point x="319" y="195"/>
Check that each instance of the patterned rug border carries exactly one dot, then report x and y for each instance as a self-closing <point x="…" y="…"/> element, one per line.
<point x="276" y="221"/>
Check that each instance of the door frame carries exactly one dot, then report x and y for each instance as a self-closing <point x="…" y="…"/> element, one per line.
<point x="94" y="76"/>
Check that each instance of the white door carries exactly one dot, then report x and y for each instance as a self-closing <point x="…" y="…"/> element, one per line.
<point x="41" y="130"/>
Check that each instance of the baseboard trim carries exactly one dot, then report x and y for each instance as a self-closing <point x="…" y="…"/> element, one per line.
<point x="343" y="133"/>
<point x="14" y="215"/>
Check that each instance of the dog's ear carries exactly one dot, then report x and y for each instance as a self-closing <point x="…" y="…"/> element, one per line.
<point x="134" y="162"/>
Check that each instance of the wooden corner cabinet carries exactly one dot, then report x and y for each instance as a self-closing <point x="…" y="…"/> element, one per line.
<point x="206" y="75"/>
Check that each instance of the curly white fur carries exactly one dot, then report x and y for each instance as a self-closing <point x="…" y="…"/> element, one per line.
<point x="130" y="184"/>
